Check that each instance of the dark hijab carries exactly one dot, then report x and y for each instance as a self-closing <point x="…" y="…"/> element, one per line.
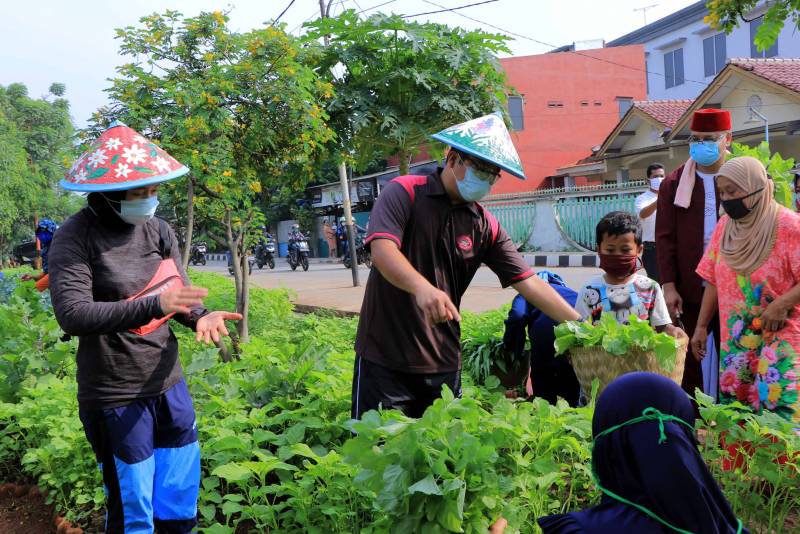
<point x="101" y="205"/>
<point x="662" y="472"/>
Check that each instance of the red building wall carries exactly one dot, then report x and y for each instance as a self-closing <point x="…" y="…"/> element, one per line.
<point x="558" y="136"/>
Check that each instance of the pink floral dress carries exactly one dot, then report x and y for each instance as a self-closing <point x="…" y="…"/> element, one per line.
<point x="758" y="368"/>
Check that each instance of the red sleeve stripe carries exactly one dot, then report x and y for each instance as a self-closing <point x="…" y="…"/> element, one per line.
<point x="409" y="182"/>
<point x="523" y="276"/>
<point x="384" y="235"/>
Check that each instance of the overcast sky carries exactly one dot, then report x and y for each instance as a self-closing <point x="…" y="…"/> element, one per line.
<point x="45" y="41"/>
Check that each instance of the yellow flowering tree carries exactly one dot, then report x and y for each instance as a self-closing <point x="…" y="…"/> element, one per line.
<point x="241" y="110"/>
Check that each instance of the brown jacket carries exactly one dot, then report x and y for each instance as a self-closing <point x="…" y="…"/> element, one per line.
<point x="679" y="238"/>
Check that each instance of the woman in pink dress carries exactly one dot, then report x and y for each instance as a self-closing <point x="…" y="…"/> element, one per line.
<point x="752" y="270"/>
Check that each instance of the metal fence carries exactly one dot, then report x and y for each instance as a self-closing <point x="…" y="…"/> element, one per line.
<point x="578" y="217"/>
<point x="637" y="185"/>
<point x="515" y="216"/>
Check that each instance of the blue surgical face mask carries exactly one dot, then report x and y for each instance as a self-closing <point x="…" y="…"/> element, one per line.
<point x="138" y="211"/>
<point x="474" y="186"/>
<point x="704" y="152"/>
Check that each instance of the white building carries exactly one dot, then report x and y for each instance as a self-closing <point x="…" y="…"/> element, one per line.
<point x="683" y="55"/>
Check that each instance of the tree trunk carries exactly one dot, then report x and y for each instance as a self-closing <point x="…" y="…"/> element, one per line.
<point x="405" y="159"/>
<point x="243" y="325"/>
<point x="236" y="263"/>
<point x="187" y="249"/>
<point x="241" y="276"/>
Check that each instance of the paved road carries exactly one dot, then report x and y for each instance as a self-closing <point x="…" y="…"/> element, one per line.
<point x="330" y="285"/>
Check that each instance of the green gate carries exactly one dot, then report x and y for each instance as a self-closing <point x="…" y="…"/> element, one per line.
<point x="578" y="217"/>
<point x="515" y="216"/>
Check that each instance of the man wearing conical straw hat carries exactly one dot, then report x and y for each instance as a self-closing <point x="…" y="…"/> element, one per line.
<point x="428" y="237"/>
<point x="116" y="280"/>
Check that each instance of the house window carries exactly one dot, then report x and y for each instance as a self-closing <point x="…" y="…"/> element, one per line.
<point x="625" y="103"/>
<point x="673" y="68"/>
<point x="772" y="51"/>
<point x="584" y="103"/>
<point x="714" y="54"/>
<point x="555" y="104"/>
<point x="598" y="103"/>
<point x="515" y="105"/>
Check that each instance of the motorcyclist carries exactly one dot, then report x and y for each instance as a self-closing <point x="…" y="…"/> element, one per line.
<point x="341" y="233"/>
<point x="295" y="236"/>
<point x="44" y="233"/>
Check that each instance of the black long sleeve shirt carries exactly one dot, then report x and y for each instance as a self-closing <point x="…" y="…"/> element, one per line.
<point x="96" y="263"/>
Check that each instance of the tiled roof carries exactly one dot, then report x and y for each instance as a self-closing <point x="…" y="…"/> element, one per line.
<point x="785" y="72"/>
<point x="667" y="112"/>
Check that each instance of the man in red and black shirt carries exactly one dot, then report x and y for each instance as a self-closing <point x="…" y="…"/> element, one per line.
<point x="428" y="238"/>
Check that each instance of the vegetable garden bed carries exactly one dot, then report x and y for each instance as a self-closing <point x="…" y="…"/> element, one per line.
<point x="279" y="453"/>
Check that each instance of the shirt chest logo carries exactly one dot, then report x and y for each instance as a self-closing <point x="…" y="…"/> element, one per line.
<point x="464" y="242"/>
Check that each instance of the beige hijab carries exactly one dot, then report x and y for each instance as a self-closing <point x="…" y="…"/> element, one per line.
<point x="746" y="243"/>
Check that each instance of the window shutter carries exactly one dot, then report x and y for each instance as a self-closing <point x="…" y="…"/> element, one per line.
<point x="678" y="66"/>
<point x="754" y="24"/>
<point x="721" y="52"/>
<point x="669" y="71"/>
<point x="708" y="56"/>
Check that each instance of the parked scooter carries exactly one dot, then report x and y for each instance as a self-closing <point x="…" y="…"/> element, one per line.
<point x="197" y="254"/>
<point x="298" y="253"/>
<point x="362" y="254"/>
<point x="265" y="254"/>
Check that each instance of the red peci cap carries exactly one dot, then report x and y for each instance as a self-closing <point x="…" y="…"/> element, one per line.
<point x="711" y="120"/>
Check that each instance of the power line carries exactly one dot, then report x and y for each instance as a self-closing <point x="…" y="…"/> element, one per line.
<point x="449" y="9"/>
<point x="316" y="13"/>
<point x="376" y="7"/>
<point x="579" y="53"/>
<point x="274" y="22"/>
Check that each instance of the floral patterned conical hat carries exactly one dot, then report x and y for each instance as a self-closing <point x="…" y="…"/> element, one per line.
<point x="121" y="159"/>
<point x="486" y="138"/>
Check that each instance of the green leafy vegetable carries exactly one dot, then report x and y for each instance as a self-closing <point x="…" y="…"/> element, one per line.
<point x="617" y="339"/>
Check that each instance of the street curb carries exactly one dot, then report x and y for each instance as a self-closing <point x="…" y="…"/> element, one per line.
<point x="556" y="259"/>
<point x="223" y="257"/>
<point x="307" y="309"/>
<point x="537" y="259"/>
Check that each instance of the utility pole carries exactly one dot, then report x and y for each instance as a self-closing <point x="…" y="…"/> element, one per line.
<point x="642" y="9"/>
<point x="348" y="221"/>
<point x="324" y="12"/>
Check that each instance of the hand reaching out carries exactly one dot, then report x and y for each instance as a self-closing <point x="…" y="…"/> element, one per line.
<point x="212" y="326"/>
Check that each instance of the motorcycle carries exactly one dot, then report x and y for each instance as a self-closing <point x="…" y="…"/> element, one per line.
<point x="362" y="254"/>
<point x="198" y="253"/>
<point x="298" y="254"/>
<point x="265" y="254"/>
<point x="250" y="262"/>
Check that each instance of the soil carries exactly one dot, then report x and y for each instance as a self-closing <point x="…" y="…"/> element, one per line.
<point x="25" y="515"/>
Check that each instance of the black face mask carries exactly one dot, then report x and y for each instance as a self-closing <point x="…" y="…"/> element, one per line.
<point x="735" y="207"/>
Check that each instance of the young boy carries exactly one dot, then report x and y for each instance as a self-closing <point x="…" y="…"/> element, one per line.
<point x="621" y="290"/>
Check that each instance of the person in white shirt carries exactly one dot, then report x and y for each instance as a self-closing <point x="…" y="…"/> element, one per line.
<point x="646" y="210"/>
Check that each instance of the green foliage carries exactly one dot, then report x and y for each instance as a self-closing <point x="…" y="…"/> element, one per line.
<point x="777" y="167"/>
<point x="403" y="80"/>
<point x="617" y="339"/>
<point x="239" y="109"/>
<point x="30" y="347"/>
<point x="727" y="15"/>
<point x="482" y="345"/>
<point x="279" y="453"/>
<point x="761" y="480"/>
<point x="36" y="147"/>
